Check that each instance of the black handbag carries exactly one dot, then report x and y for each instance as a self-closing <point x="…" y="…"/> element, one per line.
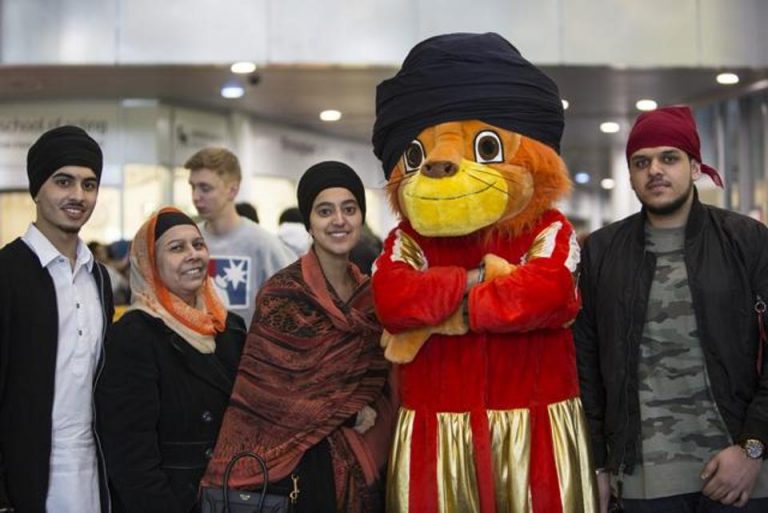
<point x="224" y="500"/>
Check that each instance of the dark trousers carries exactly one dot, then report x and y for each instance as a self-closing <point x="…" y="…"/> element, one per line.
<point x="691" y="503"/>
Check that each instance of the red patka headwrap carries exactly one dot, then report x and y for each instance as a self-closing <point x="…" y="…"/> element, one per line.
<point x="669" y="126"/>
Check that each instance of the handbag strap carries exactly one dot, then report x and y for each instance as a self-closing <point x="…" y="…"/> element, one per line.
<point x="228" y="471"/>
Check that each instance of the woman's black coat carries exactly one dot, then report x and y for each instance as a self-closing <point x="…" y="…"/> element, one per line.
<point x="159" y="405"/>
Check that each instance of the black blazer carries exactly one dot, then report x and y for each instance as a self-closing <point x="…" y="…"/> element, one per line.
<point x="159" y="406"/>
<point x="29" y="325"/>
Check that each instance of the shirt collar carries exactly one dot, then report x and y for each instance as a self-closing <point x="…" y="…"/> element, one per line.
<point x="47" y="252"/>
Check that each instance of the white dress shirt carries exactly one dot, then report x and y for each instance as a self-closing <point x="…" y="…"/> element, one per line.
<point x="74" y="482"/>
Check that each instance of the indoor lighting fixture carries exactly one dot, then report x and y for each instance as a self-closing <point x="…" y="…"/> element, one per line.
<point x="607" y="184"/>
<point x="581" y="177"/>
<point x="565" y="104"/>
<point x="609" y="127"/>
<point x="232" y="91"/>
<point x="243" y="67"/>
<point x="646" y="105"/>
<point x="330" y="115"/>
<point x="727" y="78"/>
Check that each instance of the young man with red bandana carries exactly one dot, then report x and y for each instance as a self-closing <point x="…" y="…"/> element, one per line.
<point x="669" y="351"/>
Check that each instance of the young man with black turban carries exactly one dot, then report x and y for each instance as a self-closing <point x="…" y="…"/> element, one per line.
<point x="55" y="306"/>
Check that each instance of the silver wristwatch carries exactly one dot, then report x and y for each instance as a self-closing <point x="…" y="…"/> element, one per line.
<point x="755" y="449"/>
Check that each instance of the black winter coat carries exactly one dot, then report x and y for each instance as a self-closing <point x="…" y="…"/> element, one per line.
<point x="726" y="256"/>
<point x="160" y="404"/>
<point x="29" y="325"/>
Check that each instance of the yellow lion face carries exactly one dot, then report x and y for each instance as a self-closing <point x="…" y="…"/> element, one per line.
<point x="459" y="177"/>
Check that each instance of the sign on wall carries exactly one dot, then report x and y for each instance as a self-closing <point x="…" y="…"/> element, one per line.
<point x="22" y="124"/>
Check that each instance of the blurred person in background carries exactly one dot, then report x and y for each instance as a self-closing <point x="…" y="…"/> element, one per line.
<point x="245" y="209"/>
<point x="292" y="232"/>
<point x="243" y="254"/>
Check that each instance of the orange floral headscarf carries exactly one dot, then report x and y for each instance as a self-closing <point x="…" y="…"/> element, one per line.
<point x="197" y="325"/>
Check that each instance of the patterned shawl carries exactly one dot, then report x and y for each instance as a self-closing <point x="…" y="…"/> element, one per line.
<point x="198" y="325"/>
<point x="309" y="364"/>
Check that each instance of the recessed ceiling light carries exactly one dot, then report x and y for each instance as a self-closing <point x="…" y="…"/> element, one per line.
<point x="609" y="127"/>
<point x="232" y="91"/>
<point x="581" y="177"/>
<point x="565" y="104"/>
<point x="646" y="104"/>
<point x="330" y="115"/>
<point x="243" y="67"/>
<point x="607" y="183"/>
<point x="727" y="78"/>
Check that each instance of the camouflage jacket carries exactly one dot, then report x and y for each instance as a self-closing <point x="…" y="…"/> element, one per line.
<point x="727" y="264"/>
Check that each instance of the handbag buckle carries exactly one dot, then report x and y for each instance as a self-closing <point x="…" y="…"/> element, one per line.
<point x="294" y="495"/>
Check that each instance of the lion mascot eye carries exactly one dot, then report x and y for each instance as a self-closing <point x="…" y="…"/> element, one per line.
<point x="488" y="147"/>
<point x="413" y="156"/>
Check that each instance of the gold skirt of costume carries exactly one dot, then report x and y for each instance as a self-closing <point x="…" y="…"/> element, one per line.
<point x="510" y="439"/>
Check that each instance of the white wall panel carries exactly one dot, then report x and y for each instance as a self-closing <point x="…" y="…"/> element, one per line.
<point x="721" y="44"/>
<point x="342" y="31"/>
<point x="192" y="31"/>
<point x="58" y="32"/>
<point x="532" y="26"/>
<point x="629" y="32"/>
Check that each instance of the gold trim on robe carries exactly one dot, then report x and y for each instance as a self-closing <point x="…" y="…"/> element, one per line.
<point x="399" y="471"/>
<point x="511" y="451"/>
<point x="456" y="475"/>
<point x="510" y="432"/>
<point x="570" y="438"/>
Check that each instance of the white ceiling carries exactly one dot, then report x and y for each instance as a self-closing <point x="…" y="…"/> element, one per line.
<point x="295" y="95"/>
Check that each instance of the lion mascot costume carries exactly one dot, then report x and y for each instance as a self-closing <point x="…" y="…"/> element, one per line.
<point x="475" y="287"/>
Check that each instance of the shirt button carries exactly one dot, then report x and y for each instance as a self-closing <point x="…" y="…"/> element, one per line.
<point x="77" y="305"/>
<point x="80" y="332"/>
<point x="207" y="417"/>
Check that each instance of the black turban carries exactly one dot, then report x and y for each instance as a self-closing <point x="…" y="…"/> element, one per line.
<point x="456" y="77"/>
<point x="325" y="175"/>
<point x="167" y="219"/>
<point x="59" y="147"/>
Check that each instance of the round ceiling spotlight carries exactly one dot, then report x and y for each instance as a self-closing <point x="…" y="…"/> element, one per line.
<point x="232" y="91"/>
<point x="330" y="115"/>
<point x="609" y="127"/>
<point x="243" y="67"/>
<point x="727" y="78"/>
<point x="607" y="183"/>
<point x="646" y="105"/>
<point x="566" y="104"/>
<point x="582" y="177"/>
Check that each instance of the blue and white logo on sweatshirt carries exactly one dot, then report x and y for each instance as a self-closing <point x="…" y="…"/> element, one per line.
<point x="232" y="277"/>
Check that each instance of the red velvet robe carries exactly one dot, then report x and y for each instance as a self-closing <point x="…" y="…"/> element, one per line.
<point x="517" y="356"/>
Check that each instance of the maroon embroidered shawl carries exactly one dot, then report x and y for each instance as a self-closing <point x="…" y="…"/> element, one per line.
<point x="310" y="362"/>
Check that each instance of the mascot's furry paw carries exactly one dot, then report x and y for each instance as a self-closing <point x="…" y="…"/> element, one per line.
<point x="496" y="266"/>
<point x="403" y="347"/>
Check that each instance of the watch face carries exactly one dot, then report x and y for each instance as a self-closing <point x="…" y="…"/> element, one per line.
<point x="754" y="448"/>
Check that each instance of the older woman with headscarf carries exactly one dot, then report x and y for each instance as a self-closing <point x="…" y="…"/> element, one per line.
<point x="170" y="366"/>
<point x="312" y="395"/>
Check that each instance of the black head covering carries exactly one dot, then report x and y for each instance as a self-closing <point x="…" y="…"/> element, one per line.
<point x="167" y="219"/>
<point x="62" y="146"/>
<point x="325" y="175"/>
<point x="457" y="77"/>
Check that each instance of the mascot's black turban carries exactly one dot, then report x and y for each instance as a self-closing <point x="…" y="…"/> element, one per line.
<point x="457" y="77"/>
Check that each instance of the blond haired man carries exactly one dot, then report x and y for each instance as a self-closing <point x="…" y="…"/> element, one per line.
<point x="243" y="254"/>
